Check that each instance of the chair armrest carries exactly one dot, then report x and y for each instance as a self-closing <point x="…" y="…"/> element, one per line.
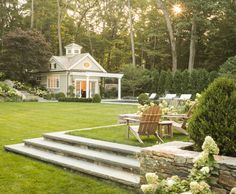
<point x="131" y="119"/>
<point x="176" y="116"/>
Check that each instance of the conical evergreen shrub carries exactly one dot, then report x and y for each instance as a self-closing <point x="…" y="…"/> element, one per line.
<point x="215" y="116"/>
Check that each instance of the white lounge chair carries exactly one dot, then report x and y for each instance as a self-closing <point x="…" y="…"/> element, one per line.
<point x="184" y="97"/>
<point x="153" y="96"/>
<point x="168" y="97"/>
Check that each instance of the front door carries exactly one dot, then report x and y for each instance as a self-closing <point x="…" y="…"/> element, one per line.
<point x="80" y="89"/>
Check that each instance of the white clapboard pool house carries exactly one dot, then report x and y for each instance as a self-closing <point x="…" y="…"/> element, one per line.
<point x="76" y="69"/>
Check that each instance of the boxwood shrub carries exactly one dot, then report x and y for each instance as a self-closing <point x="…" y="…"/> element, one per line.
<point x="96" y="98"/>
<point x="75" y="100"/>
<point x="143" y="99"/>
<point x="215" y="116"/>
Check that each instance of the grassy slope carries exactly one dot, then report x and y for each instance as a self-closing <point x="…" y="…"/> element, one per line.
<point x="118" y="135"/>
<point x="20" y="121"/>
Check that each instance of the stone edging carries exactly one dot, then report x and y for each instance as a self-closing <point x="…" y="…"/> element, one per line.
<point x="172" y="159"/>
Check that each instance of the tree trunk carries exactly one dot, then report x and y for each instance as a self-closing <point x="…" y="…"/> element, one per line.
<point x="131" y="33"/>
<point x="59" y="27"/>
<point x="32" y="15"/>
<point x="192" y="49"/>
<point x="171" y="34"/>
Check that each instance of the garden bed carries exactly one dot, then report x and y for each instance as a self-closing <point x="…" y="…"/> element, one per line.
<point x="171" y="159"/>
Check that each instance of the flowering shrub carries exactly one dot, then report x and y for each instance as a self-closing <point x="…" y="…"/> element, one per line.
<point x="142" y="108"/>
<point x="198" y="179"/>
<point x="170" y="109"/>
<point x="7" y="93"/>
<point x="36" y="90"/>
<point x="233" y="191"/>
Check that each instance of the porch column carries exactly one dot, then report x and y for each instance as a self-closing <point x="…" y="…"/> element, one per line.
<point x="119" y="88"/>
<point x="87" y="86"/>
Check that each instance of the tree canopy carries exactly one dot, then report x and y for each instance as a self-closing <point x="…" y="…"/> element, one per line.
<point x="204" y="31"/>
<point x="24" y="53"/>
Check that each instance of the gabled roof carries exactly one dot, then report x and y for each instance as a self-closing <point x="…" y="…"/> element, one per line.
<point x="68" y="63"/>
<point x="73" y="45"/>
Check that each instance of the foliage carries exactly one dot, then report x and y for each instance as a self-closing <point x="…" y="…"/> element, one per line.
<point x="215" y="116"/>
<point x="59" y="95"/>
<point x="24" y="52"/>
<point x="36" y="90"/>
<point x="145" y="106"/>
<point x="180" y="83"/>
<point x="110" y="93"/>
<point x="229" y="67"/>
<point x="71" y="89"/>
<point x="7" y="93"/>
<point x="96" y="98"/>
<point x="75" y="100"/>
<point x="143" y="98"/>
<point x="2" y="76"/>
<point x="102" y="30"/>
<point x="198" y="179"/>
<point x="134" y="80"/>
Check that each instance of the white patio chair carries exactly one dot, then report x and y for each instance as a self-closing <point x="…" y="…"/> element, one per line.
<point x="168" y="97"/>
<point x="153" y="96"/>
<point x="184" y="97"/>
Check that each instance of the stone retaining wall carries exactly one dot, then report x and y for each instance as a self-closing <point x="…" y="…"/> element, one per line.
<point x="171" y="159"/>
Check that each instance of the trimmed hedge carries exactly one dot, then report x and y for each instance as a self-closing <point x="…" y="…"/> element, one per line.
<point x="96" y="98"/>
<point x="59" y="95"/>
<point x="215" y="116"/>
<point x="143" y="98"/>
<point x="75" y="100"/>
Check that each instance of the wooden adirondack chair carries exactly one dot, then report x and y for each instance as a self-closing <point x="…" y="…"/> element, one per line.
<point x="148" y="124"/>
<point x="181" y="127"/>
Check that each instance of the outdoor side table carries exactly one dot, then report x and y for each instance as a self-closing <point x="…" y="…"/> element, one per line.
<point x="168" y="130"/>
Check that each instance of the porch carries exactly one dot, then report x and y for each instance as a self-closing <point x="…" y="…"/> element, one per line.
<point x="86" y="84"/>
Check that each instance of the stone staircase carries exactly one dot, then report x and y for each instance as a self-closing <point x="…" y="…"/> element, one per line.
<point x="112" y="161"/>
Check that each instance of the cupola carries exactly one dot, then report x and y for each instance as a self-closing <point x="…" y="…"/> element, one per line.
<point x="73" y="49"/>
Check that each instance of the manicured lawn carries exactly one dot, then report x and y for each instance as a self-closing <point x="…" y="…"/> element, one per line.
<point x="118" y="135"/>
<point x="20" y="121"/>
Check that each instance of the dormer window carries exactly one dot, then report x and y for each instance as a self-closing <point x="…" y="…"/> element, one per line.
<point x="53" y="65"/>
<point x="76" y="51"/>
<point x="69" y="51"/>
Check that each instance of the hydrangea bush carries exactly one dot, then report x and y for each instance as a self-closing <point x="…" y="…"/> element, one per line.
<point x="167" y="108"/>
<point x="198" y="179"/>
<point x="8" y="93"/>
<point x="38" y="91"/>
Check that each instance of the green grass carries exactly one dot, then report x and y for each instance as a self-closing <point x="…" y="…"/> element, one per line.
<point x="20" y="121"/>
<point x="118" y="135"/>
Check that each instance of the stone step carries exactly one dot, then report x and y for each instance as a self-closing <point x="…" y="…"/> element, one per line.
<point x="105" y="172"/>
<point x="110" y="159"/>
<point x="126" y="150"/>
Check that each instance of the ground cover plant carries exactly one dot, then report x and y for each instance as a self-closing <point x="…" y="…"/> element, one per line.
<point x="20" y="121"/>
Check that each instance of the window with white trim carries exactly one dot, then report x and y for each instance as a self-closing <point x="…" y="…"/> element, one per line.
<point x="76" y="51"/>
<point x="53" y="82"/>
